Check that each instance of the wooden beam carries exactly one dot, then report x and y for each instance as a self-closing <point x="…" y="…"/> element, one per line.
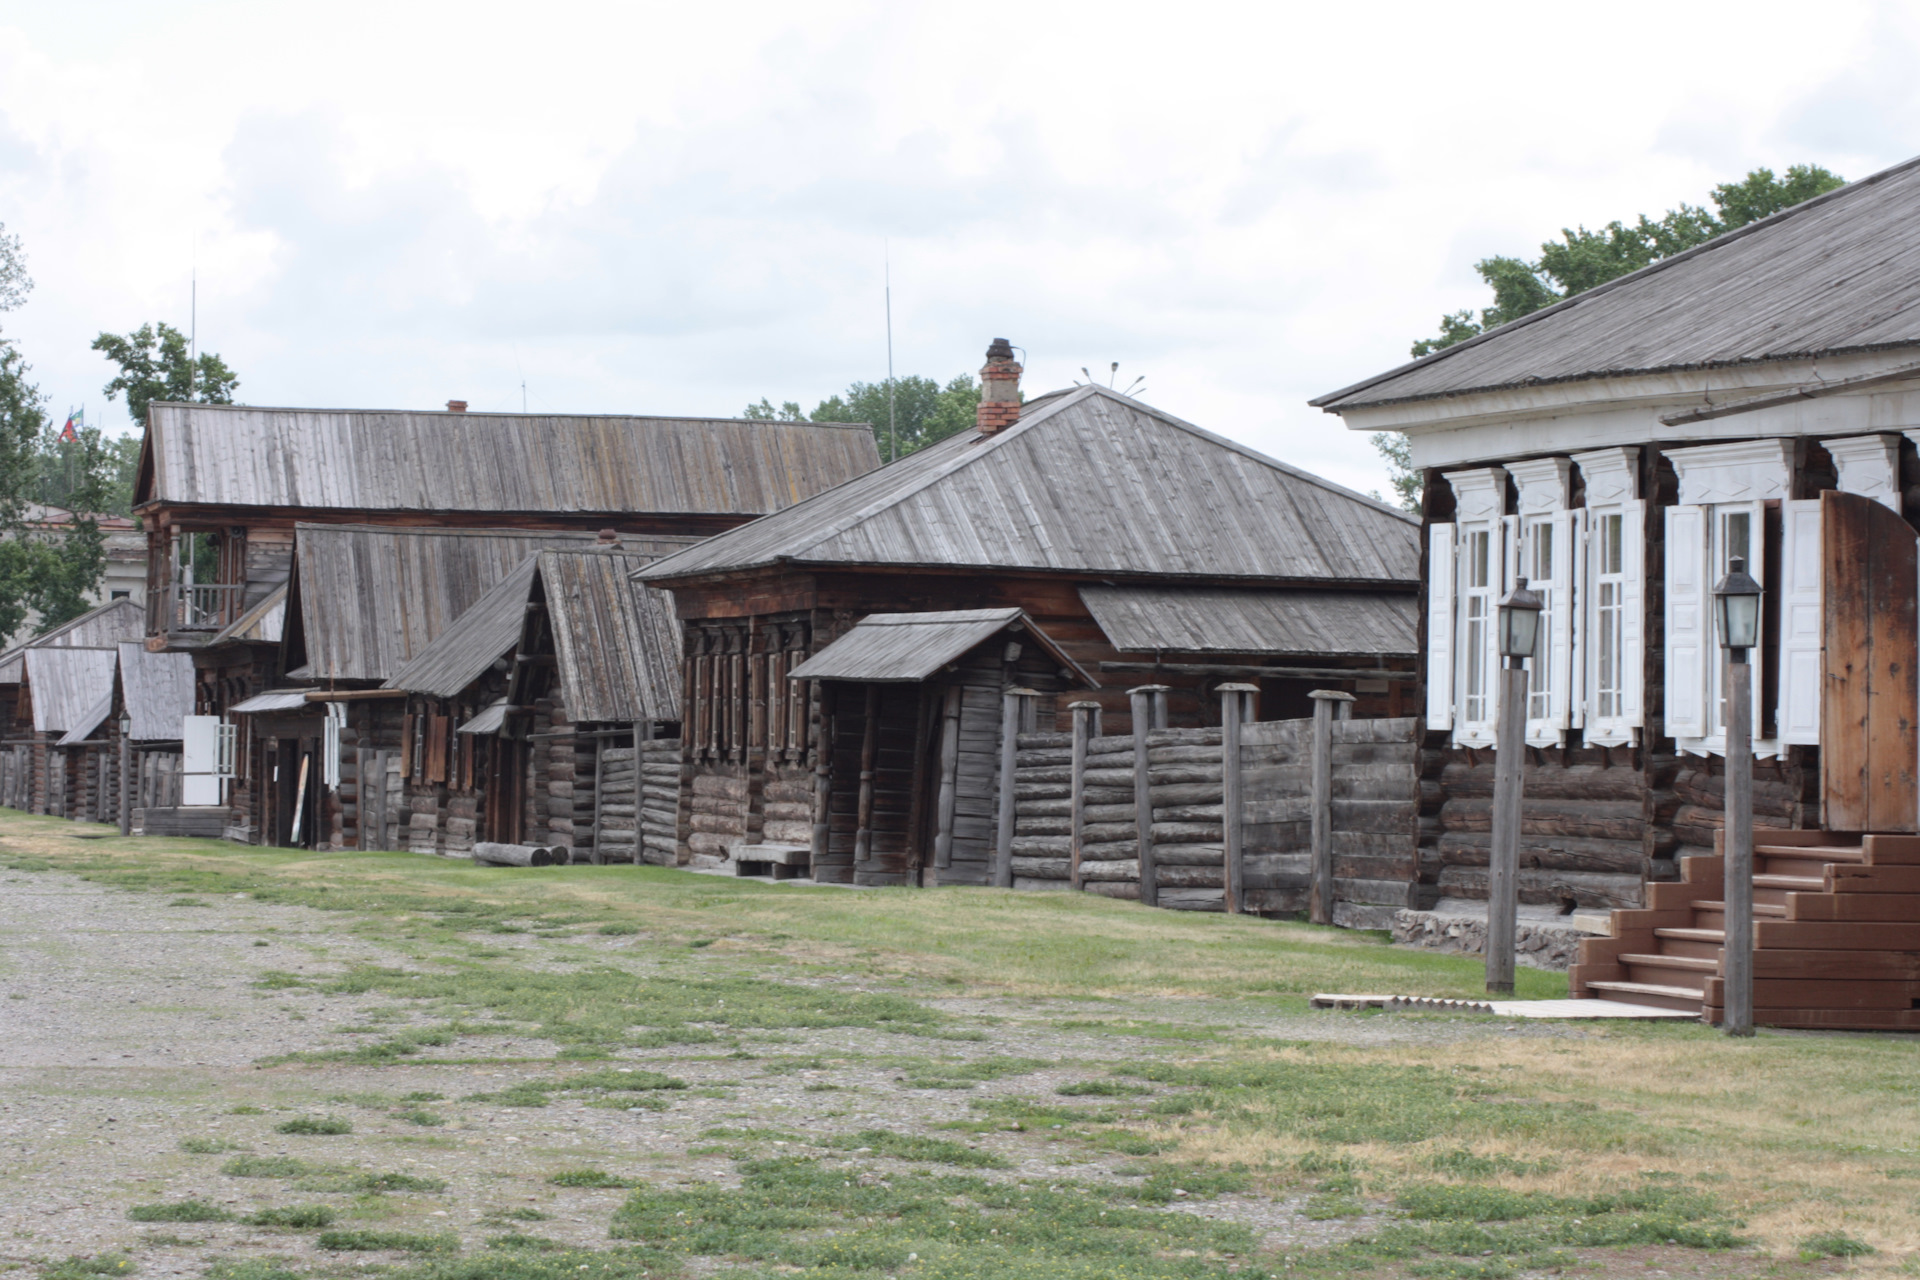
<point x="1083" y="713"/>
<point x="949" y="777"/>
<point x="1269" y="673"/>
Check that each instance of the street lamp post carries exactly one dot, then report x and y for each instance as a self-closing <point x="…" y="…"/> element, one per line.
<point x="126" y="773"/>
<point x="1736" y="608"/>
<point x="1519" y="633"/>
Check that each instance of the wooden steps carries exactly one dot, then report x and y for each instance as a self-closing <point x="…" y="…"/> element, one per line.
<point x="1836" y="936"/>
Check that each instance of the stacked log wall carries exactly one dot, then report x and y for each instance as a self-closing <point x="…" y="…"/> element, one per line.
<point x="663" y="777"/>
<point x="617" y="804"/>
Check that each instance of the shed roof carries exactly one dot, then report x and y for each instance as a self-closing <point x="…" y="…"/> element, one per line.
<point x="368" y="599"/>
<point x="890" y="648"/>
<point x="1840" y="272"/>
<point x="100" y="627"/>
<point x="273" y="700"/>
<point x="474" y="641"/>
<point x="1328" y="624"/>
<point x="376" y="460"/>
<point x="265" y="622"/>
<point x="89" y="720"/>
<point x="1090" y="481"/>
<point x="491" y="717"/>
<point x="157" y="689"/>
<point x="617" y="643"/>
<point x="66" y="684"/>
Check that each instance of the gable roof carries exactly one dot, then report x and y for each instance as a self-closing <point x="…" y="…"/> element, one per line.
<point x="238" y="455"/>
<point x="894" y="648"/>
<point x="474" y="641"/>
<point x="1837" y="273"/>
<point x="157" y="690"/>
<point x="66" y="684"/>
<point x="367" y="599"/>
<point x="1087" y="481"/>
<point x="1325" y="624"/>
<point x="100" y="627"/>
<point x="265" y="622"/>
<point x="616" y="642"/>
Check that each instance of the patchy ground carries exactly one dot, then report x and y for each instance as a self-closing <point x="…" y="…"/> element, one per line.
<point x="197" y="1081"/>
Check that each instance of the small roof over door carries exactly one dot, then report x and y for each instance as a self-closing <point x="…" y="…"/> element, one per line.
<point x="906" y="647"/>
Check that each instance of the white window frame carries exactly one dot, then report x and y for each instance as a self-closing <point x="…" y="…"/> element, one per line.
<point x="1480" y="499"/>
<point x="1612" y="591"/>
<point x="1542" y="549"/>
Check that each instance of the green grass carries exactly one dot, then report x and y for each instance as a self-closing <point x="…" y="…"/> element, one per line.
<point x="208" y="1146"/>
<point x="906" y="1146"/>
<point x="316" y="1125"/>
<point x="588" y="1178"/>
<point x="299" y="1217"/>
<point x="179" y="1211"/>
<point x="79" y="1268"/>
<point x="400" y="1241"/>
<point x="267" y="1167"/>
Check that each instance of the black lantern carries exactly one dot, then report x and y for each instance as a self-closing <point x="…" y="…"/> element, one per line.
<point x="1519" y="622"/>
<point x="126" y="724"/>
<point x="1736" y="608"/>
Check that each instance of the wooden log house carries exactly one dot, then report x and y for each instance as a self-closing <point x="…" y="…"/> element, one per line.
<point x="1080" y="509"/>
<point x="574" y="669"/>
<point x="34" y="768"/>
<point x="1755" y="398"/>
<point x="221" y="489"/>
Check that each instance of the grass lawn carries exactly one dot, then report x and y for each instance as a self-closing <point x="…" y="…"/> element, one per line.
<point x="1429" y="1146"/>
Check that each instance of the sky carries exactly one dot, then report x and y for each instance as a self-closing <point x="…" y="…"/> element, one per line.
<point x="679" y="209"/>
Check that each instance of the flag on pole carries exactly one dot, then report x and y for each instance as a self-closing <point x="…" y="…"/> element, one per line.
<point x="67" y="433"/>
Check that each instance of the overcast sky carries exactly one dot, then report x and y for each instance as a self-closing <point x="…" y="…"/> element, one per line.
<point x="677" y="209"/>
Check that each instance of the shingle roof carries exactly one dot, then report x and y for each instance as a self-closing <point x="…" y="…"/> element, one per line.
<point x="1324" y="624"/>
<point x="234" y="455"/>
<point x="1840" y="272"/>
<point x="474" y="641"/>
<point x="100" y="627"/>
<point x="893" y="648"/>
<point x="1091" y="481"/>
<point x="370" y="598"/>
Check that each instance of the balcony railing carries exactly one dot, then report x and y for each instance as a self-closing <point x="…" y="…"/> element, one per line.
<point x="185" y="606"/>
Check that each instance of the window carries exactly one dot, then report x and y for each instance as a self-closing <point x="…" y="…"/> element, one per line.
<point x="1475" y="642"/>
<point x="1609" y="616"/>
<point x="739" y="700"/>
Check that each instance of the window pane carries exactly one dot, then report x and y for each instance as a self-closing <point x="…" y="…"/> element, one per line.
<point x="1610" y="554"/>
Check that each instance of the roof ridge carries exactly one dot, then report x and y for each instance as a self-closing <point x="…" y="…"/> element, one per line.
<point x="1618" y="282"/>
<point x="198" y="406"/>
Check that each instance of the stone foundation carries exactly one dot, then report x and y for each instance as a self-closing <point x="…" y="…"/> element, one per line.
<point x="1540" y="942"/>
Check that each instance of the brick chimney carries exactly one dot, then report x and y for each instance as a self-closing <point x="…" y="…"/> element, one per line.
<point x="609" y="538"/>
<point x="456" y="406"/>
<point x="999" y="390"/>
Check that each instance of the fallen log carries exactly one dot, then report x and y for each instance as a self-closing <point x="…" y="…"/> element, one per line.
<point x="517" y="855"/>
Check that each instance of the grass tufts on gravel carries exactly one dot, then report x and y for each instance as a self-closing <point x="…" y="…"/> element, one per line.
<point x="330" y="1126"/>
<point x="86" y="1268"/>
<point x="179" y="1211"/>
<point x="363" y="1241"/>
<point x="588" y="1178"/>
<point x="299" y="1217"/>
<point x="209" y="1146"/>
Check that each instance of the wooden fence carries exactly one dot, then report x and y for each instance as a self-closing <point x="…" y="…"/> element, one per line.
<point x="1075" y="817"/>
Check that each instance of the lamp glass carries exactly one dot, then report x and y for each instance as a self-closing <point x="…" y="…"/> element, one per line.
<point x="1519" y="622"/>
<point x="1736" y="608"/>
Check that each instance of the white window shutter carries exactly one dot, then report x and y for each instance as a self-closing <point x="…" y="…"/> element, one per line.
<point x="1440" y="595"/>
<point x="1798" y="715"/>
<point x="199" y="760"/>
<point x="330" y="746"/>
<point x="1633" y="537"/>
<point x="1688" y="634"/>
<point x="1566" y="535"/>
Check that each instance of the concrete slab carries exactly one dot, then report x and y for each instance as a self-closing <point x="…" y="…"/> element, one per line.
<point x="1555" y="1010"/>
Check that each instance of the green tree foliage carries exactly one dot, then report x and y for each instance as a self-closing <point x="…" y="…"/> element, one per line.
<point x="43" y="571"/>
<point x="155" y="365"/>
<point x="923" y="411"/>
<point x="1581" y="259"/>
<point x="1407" y="488"/>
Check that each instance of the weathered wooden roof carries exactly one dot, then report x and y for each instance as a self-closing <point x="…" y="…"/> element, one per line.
<point x="491" y="717"/>
<point x="892" y="648"/>
<point x="617" y="643"/>
<point x="265" y="622"/>
<point x="89" y="720"/>
<point x="272" y="700"/>
<point x="1840" y="272"/>
<point x="474" y="641"/>
<point x="157" y="691"/>
<point x="367" y="599"/>
<point x="1232" y="620"/>
<point x="66" y="684"/>
<point x="233" y="455"/>
<point x="101" y="627"/>
<point x="1087" y="481"/>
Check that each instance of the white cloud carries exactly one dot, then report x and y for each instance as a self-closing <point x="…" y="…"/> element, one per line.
<point x="682" y="208"/>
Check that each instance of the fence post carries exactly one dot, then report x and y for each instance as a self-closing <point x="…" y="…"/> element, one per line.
<point x="1320" y="897"/>
<point x="1149" y="706"/>
<point x="1236" y="707"/>
<point x="823" y="731"/>
<point x="125" y="793"/>
<point x="1010" y="708"/>
<point x="1083" y="713"/>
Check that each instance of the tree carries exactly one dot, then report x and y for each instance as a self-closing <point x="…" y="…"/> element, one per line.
<point x="923" y="411"/>
<point x="1401" y="473"/>
<point x="1581" y="259"/>
<point x="155" y="365"/>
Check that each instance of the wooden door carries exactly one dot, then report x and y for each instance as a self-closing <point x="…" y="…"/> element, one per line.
<point x="1868" y="738"/>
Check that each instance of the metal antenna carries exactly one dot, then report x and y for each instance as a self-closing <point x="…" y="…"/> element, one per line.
<point x="893" y="434"/>
<point x="193" y="314"/>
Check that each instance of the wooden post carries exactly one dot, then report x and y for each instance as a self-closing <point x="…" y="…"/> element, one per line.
<point x="869" y="742"/>
<point x="1082" y="727"/>
<point x="380" y="759"/>
<point x="949" y="778"/>
<point x="1010" y="703"/>
<point x="822" y="778"/>
<point x="126" y="785"/>
<point x="1739" y="844"/>
<point x="1509" y="764"/>
<point x="1236" y="706"/>
<point x="1149" y="706"/>
<point x="1320" y="895"/>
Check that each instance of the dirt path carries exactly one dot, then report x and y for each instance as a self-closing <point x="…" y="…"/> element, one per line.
<point x="131" y="1023"/>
